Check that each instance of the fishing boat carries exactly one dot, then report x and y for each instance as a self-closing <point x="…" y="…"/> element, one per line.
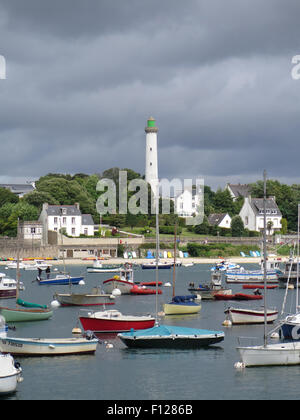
<point x="98" y="267"/>
<point x="250" y="316"/>
<point x="113" y="321"/>
<point x="251" y="276"/>
<point x="60" y="279"/>
<point x="8" y="287"/>
<point x="165" y="336"/>
<point x="171" y="337"/>
<point x="290" y="273"/>
<point x="123" y="281"/>
<point x="208" y="291"/>
<point x="10" y="374"/>
<point x="94" y="298"/>
<point x="48" y="346"/>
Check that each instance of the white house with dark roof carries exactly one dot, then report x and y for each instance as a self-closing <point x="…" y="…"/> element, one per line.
<point x="67" y="217"/>
<point x="252" y="214"/>
<point x="186" y="203"/>
<point x="222" y="220"/>
<point x="238" y="190"/>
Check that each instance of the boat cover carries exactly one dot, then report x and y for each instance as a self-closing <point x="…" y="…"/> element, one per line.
<point x="30" y="305"/>
<point x="168" y="330"/>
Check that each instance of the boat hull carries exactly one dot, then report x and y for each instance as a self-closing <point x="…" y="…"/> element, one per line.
<point x="110" y="325"/>
<point x="9" y="375"/>
<point x="123" y="285"/>
<point x="290" y="330"/>
<point x="74" y="299"/>
<point x="271" y="355"/>
<point x="250" y="277"/>
<point x="23" y="315"/>
<point x="249" y="316"/>
<point x="209" y="294"/>
<point x="61" y="281"/>
<point x="160" y="266"/>
<point x="47" y="347"/>
<point x="178" y="309"/>
<point x="5" y="294"/>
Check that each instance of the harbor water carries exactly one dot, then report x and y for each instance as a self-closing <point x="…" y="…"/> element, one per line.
<point x="119" y="373"/>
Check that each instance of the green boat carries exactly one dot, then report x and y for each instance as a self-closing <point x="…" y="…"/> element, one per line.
<point x="25" y="314"/>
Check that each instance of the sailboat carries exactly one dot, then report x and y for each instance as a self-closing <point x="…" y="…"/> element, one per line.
<point x="165" y="336"/>
<point x="180" y="305"/>
<point x="24" y="311"/>
<point x="283" y="353"/>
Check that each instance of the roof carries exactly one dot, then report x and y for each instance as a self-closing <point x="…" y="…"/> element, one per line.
<point x="240" y="190"/>
<point x="257" y="205"/>
<point x="18" y="188"/>
<point x="53" y="210"/>
<point x="87" y="219"/>
<point x="216" y="219"/>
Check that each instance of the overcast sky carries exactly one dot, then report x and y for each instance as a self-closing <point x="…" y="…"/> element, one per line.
<point x="82" y="78"/>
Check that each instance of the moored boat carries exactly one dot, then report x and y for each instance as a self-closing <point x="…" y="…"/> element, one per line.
<point x="8" y="287"/>
<point x="23" y="314"/>
<point x="181" y="305"/>
<point x="142" y="290"/>
<point x="250" y="316"/>
<point x="114" y="321"/>
<point x="48" y="346"/>
<point x="123" y="282"/>
<point x="94" y="298"/>
<point x="237" y="296"/>
<point x="171" y="337"/>
<point x="60" y="279"/>
<point x="10" y="374"/>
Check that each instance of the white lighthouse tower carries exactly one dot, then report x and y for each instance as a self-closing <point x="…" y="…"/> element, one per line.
<point x="151" y="170"/>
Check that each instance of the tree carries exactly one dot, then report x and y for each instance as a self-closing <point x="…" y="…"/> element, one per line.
<point x="6" y="196"/>
<point x="237" y="226"/>
<point x="204" y="228"/>
<point x="223" y="202"/>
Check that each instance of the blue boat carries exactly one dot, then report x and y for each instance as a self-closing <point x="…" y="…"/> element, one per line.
<point x="60" y="279"/>
<point x="171" y="337"/>
<point x="290" y="327"/>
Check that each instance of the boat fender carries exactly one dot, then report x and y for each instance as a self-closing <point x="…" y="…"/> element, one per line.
<point x="17" y="365"/>
<point x="51" y="346"/>
<point x="89" y="335"/>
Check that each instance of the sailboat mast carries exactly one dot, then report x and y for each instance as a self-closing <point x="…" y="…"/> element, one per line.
<point x="175" y="234"/>
<point x="297" y="288"/>
<point x="18" y="264"/>
<point x="265" y="260"/>
<point x="157" y="252"/>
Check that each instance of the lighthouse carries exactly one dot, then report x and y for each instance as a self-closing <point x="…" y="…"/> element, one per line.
<point x="151" y="170"/>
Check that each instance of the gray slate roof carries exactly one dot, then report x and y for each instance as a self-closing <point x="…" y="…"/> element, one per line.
<point x="56" y="210"/>
<point x="87" y="219"/>
<point x="216" y="218"/>
<point x="258" y="205"/>
<point x="240" y="190"/>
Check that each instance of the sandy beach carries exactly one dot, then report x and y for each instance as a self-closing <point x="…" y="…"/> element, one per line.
<point x="74" y="261"/>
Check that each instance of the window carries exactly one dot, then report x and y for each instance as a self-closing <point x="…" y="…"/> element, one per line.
<point x="85" y="231"/>
<point x="64" y="220"/>
<point x="150" y="149"/>
<point x="246" y="220"/>
<point x="63" y="211"/>
<point x="73" y="231"/>
<point x="32" y="230"/>
<point x="150" y="163"/>
<point x="73" y="220"/>
<point x="55" y="220"/>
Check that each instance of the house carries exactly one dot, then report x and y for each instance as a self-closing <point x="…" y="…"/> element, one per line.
<point x="238" y="190"/>
<point x="186" y="203"/>
<point x="31" y="231"/>
<point x="252" y="214"/>
<point x="19" y="189"/>
<point x="67" y="217"/>
<point x="222" y="220"/>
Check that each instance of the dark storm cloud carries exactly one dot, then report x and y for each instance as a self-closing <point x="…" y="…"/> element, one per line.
<point x="83" y="77"/>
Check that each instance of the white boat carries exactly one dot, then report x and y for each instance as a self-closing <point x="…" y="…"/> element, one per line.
<point x="13" y="265"/>
<point x="95" y="297"/>
<point x="241" y="275"/>
<point x="43" y="265"/>
<point x="10" y="374"/>
<point x="282" y="354"/>
<point x="250" y="316"/>
<point x="8" y="287"/>
<point x="47" y="346"/>
<point x="123" y="281"/>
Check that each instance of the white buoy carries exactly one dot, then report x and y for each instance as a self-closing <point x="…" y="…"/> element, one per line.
<point x="109" y="346"/>
<point x="274" y="335"/>
<point x="81" y="283"/>
<point x="55" y="304"/>
<point x="112" y="297"/>
<point x="227" y="323"/>
<point x="76" y="330"/>
<point x="116" y="292"/>
<point x="167" y="284"/>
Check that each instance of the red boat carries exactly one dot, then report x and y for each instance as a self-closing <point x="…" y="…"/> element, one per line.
<point x="136" y="290"/>
<point x="259" y="286"/>
<point x="113" y="321"/>
<point x="237" y="296"/>
<point x="150" y="283"/>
